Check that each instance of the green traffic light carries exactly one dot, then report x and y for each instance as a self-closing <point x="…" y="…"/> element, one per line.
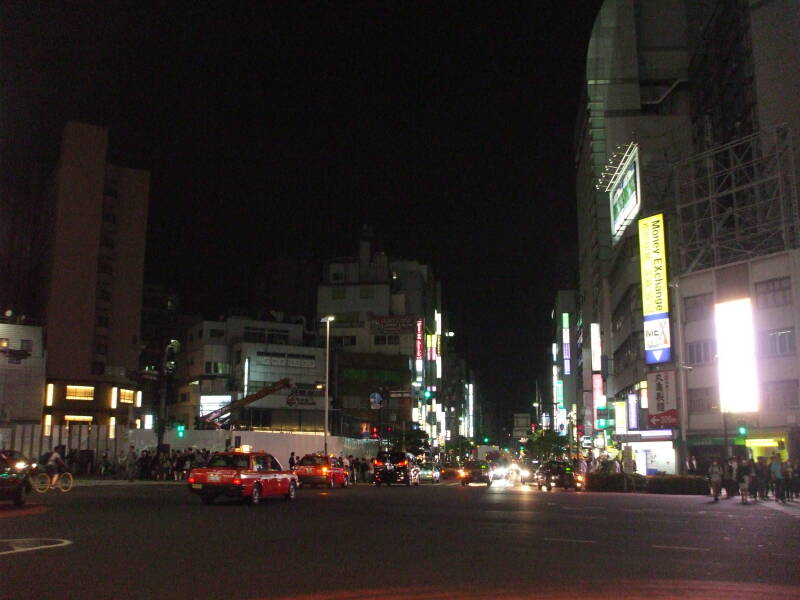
<point x="427" y="394"/>
<point x="486" y="440"/>
<point x="742" y="430"/>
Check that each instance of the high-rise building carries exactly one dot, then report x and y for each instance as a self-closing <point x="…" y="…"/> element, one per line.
<point x="96" y="219"/>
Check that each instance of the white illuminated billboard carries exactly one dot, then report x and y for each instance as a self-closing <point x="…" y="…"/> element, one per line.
<point x="624" y="197"/>
<point x="597" y="360"/>
<point x="736" y="356"/>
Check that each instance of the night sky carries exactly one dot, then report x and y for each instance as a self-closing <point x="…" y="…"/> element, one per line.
<point x="279" y="129"/>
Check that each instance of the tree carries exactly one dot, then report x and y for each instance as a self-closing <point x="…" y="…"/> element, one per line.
<point x="415" y="440"/>
<point x="545" y="445"/>
<point x="458" y="446"/>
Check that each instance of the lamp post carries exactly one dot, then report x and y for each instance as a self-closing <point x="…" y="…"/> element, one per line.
<point x="327" y="320"/>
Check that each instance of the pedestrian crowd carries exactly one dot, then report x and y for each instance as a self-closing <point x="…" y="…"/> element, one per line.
<point x="755" y="480"/>
<point x="155" y="466"/>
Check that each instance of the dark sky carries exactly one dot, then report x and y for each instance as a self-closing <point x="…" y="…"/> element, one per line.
<point x="276" y="129"/>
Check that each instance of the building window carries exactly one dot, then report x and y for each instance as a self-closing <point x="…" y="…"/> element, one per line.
<point x="698" y="308"/>
<point x="101" y="349"/>
<point x="781" y="394"/>
<point x="337" y="274"/>
<point x="338" y="293"/>
<point x="278" y="337"/>
<point x="703" y="400"/>
<point x="26" y="345"/>
<point x="208" y="367"/>
<point x="380" y="340"/>
<point x="779" y="342"/>
<point x="343" y="340"/>
<point x="216" y="333"/>
<point x="387" y="340"/>
<point x="774" y="292"/>
<point x="365" y="291"/>
<point x="102" y="321"/>
<point x="127" y="396"/>
<point x="702" y="352"/>
<point x="107" y="242"/>
<point x="200" y="334"/>
<point x="77" y="419"/>
<point x="80" y="392"/>
<point x="255" y="334"/>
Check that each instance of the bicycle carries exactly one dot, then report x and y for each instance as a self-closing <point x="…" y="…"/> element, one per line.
<point x="41" y="482"/>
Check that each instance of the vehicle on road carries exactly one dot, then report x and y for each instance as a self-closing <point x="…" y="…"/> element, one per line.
<point x="395" y="467"/>
<point x="555" y="473"/>
<point x="476" y="471"/>
<point x="500" y="468"/>
<point x="15" y="479"/>
<point x="429" y="472"/>
<point x="318" y="469"/>
<point x="249" y="476"/>
<point x="527" y="472"/>
<point x="449" y="471"/>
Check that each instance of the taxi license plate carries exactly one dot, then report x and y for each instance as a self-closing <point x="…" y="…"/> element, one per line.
<point x="197" y="486"/>
<point x="213" y="477"/>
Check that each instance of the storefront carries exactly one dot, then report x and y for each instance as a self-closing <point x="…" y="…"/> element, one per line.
<point x="653" y="451"/>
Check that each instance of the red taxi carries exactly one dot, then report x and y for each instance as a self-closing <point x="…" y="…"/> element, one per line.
<point x="318" y="469"/>
<point x="250" y="476"/>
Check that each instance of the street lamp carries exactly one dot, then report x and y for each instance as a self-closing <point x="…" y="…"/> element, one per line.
<point x="327" y="320"/>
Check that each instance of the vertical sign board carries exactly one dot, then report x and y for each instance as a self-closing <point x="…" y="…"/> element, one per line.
<point x="565" y="341"/>
<point x="662" y="400"/>
<point x="419" y="340"/>
<point x="655" y="293"/>
<point x="597" y="353"/>
<point x="736" y="352"/>
<point x="620" y="417"/>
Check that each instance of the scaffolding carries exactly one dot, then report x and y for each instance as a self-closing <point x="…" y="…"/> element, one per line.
<point x="737" y="201"/>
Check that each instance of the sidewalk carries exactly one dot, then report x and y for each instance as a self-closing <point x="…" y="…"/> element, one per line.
<point x="79" y="482"/>
<point x="790" y="508"/>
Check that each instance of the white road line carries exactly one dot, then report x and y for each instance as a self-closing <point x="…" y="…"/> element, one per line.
<point x="689" y="548"/>
<point x="569" y="540"/>
<point x="30" y="544"/>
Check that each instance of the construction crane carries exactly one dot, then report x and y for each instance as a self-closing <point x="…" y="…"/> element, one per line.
<point x="213" y="419"/>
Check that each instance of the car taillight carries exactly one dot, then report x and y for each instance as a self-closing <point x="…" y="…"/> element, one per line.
<point x="191" y="479"/>
<point x="378" y="463"/>
<point x="402" y="463"/>
<point x="237" y="481"/>
<point x="462" y="473"/>
<point x="324" y="470"/>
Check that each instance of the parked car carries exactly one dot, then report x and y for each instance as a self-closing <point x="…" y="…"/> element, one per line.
<point x="476" y="471"/>
<point x="555" y="473"/>
<point x="318" y="469"/>
<point x="15" y="477"/>
<point x="395" y="467"/>
<point x="250" y="476"/>
<point x="429" y="472"/>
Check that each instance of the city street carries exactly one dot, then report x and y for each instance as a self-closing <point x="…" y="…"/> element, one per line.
<point x="433" y="541"/>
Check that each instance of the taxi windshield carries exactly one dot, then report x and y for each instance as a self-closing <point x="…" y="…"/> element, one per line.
<point x="313" y="461"/>
<point x="475" y="464"/>
<point x="230" y="461"/>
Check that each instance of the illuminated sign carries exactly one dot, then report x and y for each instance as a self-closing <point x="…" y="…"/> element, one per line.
<point x="561" y="421"/>
<point x="736" y="356"/>
<point x="655" y="296"/>
<point x="621" y="417"/>
<point x="419" y="340"/>
<point x="643" y="394"/>
<point x="633" y="411"/>
<point x="624" y="193"/>
<point x="662" y="399"/>
<point x="560" y="393"/>
<point x="598" y="397"/>
<point x="565" y="342"/>
<point x="597" y="353"/>
<point x="210" y="402"/>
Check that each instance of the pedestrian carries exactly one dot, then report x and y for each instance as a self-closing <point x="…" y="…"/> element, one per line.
<point x="743" y="479"/>
<point x="691" y="465"/>
<point x="776" y="475"/>
<point x="729" y="478"/>
<point x="350" y="469"/>
<point x="795" y="482"/>
<point x="364" y="466"/>
<point x="131" y="463"/>
<point x="292" y="461"/>
<point x="715" y="478"/>
<point x="762" y="477"/>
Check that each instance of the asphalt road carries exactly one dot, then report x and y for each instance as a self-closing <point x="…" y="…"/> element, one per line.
<point x="433" y="541"/>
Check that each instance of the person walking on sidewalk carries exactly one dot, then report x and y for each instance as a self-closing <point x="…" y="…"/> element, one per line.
<point x="715" y="479"/>
<point x="776" y="474"/>
<point x="130" y="463"/>
<point x="743" y="474"/>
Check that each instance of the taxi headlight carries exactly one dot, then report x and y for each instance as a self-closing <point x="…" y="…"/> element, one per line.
<point x="525" y="473"/>
<point x="462" y="473"/>
<point x="19" y="465"/>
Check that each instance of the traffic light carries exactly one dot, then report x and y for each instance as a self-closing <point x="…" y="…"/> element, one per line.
<point x="602" y="423"/>
<point x="485" y="440"/>
<point x="181" y="430"/>
<point x="580" y="431"/>
<point x="374" y="433"/>
<point x="427" y="394"/>
<point x="742" y="429"/>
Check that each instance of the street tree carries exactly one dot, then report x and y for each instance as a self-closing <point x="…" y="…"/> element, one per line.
<point x="545" y="445"/>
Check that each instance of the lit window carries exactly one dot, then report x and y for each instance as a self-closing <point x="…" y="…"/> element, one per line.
<point x="48" y="425"/>
<point x="78" y="418"/>
<point x="112" y="428"/>
<point x="703" y="400"/>
<point x="3" y="342"/>
<point x="127" y="396"/>
<point x="80" y="392"/>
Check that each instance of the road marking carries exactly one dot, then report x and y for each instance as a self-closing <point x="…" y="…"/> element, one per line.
<point x="26" y="511"/>
<point x="569" y="540"/>
<point x="30" y="544"/>
<point x="688" y="548"/>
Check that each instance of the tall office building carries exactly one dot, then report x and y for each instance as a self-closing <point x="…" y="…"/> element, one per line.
<point x="96" y="219"/>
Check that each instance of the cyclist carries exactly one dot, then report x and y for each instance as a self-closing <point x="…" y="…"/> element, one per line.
<point x="55" y="466"/>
